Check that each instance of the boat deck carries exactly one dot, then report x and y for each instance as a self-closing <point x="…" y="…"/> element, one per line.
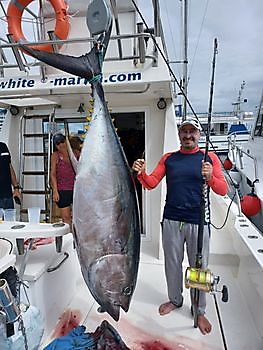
<point x="143" y="328"/>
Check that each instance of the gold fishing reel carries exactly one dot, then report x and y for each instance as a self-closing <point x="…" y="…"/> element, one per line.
<point x="200" y="279"/>
<point x="204" y="280"/>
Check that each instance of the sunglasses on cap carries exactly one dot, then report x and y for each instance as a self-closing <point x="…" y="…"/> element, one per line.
<point x="188" y="132"/>
<point x="59" y="142"/>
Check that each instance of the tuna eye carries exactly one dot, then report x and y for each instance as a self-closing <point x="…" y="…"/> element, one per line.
<point x="127" y="291"/>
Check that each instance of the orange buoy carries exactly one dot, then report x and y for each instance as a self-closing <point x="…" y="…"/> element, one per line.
<point x="227" y="164"/>
<point x="14" y="19"/>
<point x="250" y="204"/>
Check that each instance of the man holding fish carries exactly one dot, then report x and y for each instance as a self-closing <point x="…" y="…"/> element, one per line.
<point x="184" y="171"/>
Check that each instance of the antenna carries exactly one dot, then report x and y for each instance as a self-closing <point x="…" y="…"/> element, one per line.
<point x="237" y="109"/>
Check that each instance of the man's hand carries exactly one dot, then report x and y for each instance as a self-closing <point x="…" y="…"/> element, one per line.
<point x="207" y="170"/>
<point x="139" y="165"/>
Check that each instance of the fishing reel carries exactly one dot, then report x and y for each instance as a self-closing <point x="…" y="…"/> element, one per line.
<point x="205" y="281"/>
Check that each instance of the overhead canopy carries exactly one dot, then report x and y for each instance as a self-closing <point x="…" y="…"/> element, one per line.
<point x="79" y="7"/>
<point x="238" y="129"/>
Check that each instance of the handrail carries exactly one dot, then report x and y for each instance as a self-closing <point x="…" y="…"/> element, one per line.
<point x="232" y="146"/>
<point x="50" y="121"/>
<point x="135" y="56"/>
<point x="110" y="59"/>
<point x="21" y="149"/>
<point x="75" y="40"/>
<point x="240" y="132"/>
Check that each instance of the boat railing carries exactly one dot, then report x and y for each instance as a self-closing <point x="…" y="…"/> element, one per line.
<point x="237" y="153"/>
<point x="139" y="54"/>
<point x="236" y="133"/>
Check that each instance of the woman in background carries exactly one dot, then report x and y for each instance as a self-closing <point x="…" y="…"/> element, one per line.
<point x="62" y="176"/>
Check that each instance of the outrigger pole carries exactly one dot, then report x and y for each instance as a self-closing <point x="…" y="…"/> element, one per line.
<point x="209" y="117"/>
<point x="196" y="277"/>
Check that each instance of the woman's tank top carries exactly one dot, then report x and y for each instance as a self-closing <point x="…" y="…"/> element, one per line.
<point x="65" y="174"/>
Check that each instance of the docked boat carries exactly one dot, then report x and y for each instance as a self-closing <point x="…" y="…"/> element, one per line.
<point x="39" y="101"/>
<point x="225" y="126"/>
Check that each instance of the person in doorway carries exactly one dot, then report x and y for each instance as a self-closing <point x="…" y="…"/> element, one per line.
<point x="7" y="180"/>
<point x="185" y="171"/>
<point x="62" y="177"/>
<point x="76" y="144"/>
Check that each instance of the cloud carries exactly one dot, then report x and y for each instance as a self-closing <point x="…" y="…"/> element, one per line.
<point x="238" y="26"/>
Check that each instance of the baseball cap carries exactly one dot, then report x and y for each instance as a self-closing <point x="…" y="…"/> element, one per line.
<point x="57" y="138"/>
<point x="194" y="122"/>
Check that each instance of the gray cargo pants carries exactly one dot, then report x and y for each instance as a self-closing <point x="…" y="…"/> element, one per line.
<point x="174" y="235"/>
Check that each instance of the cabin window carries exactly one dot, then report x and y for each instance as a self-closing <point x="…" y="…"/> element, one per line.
<point x="223" y="128"/>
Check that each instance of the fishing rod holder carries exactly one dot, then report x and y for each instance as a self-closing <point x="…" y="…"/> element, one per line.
<point x="8" y="302"/>
<point x="204" y="280"/>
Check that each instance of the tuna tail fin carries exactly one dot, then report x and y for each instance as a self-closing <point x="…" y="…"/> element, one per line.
<point x="79" y="66"/>
<point x="87" y="66"/>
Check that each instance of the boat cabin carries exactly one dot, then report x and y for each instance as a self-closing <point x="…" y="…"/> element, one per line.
<point x="40" y="100"/>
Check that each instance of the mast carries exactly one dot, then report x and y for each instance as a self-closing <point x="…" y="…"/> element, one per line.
<point x="237" y="105"/>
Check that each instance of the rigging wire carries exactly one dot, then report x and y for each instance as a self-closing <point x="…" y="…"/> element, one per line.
<point x="180" y="41"/>
<point x="198" y="40"/>
<point x="170" y="29"/>
<point x="171" y="71"/>
<point x="165" y="59"/>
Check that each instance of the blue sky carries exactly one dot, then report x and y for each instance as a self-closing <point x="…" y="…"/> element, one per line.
<point x="238" y="26"/>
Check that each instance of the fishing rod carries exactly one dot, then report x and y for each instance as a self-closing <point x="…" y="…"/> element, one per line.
<point x="198" y="278"/>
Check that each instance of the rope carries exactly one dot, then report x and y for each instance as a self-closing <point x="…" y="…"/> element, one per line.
<point x="98" y="77"/>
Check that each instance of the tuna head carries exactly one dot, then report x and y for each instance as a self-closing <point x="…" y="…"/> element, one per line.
<point x="112" y="282"/>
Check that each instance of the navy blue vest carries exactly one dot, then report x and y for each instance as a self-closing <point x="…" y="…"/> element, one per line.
<point x="5" y="174"/>
<point x="184" y="186"/>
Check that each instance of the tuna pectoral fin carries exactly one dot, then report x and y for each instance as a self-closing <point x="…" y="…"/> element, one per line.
<point x="111" y="283"/>
<point x="72" y="157"/>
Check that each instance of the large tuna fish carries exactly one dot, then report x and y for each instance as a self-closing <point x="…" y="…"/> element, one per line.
<point x="105" y="214"/>
<point x="105" y="211"/>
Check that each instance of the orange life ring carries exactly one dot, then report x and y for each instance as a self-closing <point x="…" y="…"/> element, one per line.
<point x="14" y="18"/>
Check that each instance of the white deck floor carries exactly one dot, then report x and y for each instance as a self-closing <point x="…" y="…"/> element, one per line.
<point x="175" y="331"/>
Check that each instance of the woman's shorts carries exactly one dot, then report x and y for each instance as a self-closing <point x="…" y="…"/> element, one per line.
<point x="65" y="198"/>
<point x="7" y="203"/>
